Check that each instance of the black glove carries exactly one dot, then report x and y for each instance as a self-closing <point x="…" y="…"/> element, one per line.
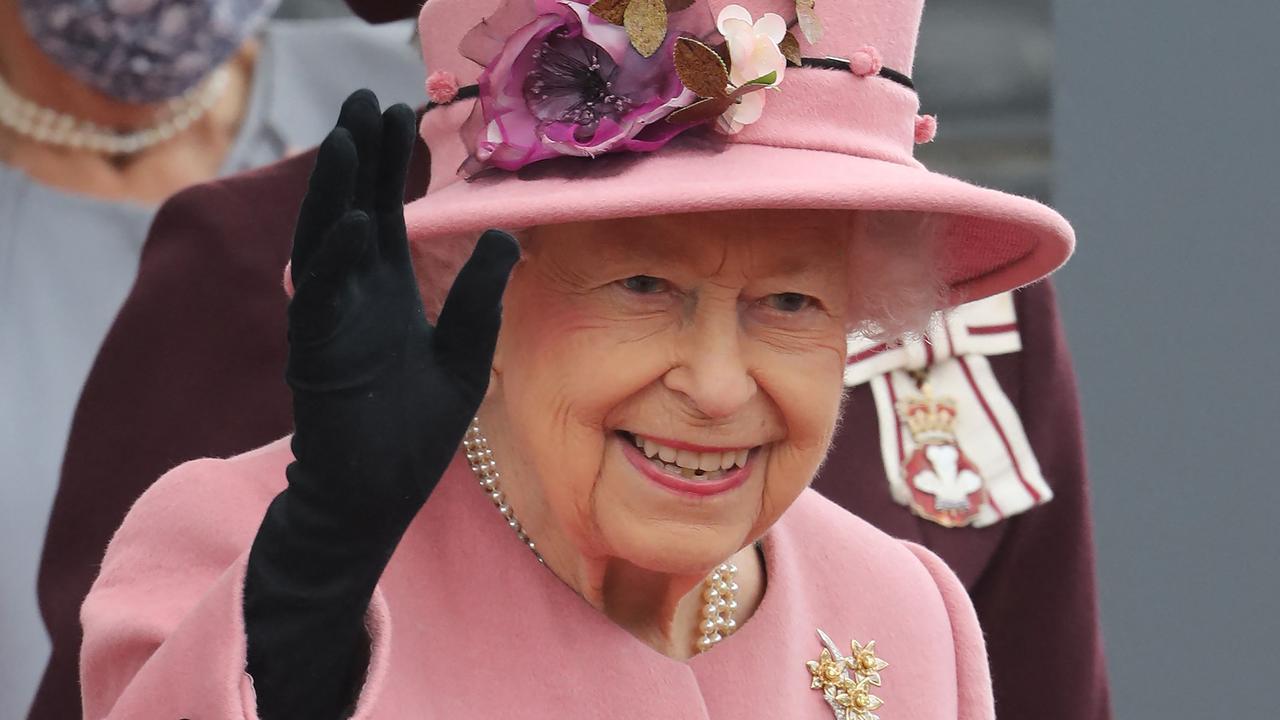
<point x="381" y="401"/>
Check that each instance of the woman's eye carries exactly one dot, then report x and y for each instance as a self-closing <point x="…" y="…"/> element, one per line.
<point x="790" y="302"/>
<point x="645" y="284"/>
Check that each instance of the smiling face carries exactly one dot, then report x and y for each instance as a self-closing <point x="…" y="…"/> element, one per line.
<point x="667" y="386"/>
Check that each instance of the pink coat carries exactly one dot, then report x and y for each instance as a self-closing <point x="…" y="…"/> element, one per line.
<point x="465" y="624"/>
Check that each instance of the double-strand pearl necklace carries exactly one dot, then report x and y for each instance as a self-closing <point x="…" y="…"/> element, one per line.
<point x="718" y="589"/>
<point x="50" y="127"/>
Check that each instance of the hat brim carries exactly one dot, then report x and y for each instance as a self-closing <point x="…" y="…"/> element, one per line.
<point x="990" y="241"/>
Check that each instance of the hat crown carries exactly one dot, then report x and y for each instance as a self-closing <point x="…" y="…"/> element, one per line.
<point x="812" y="108"/>
<point x="891" y="26"/>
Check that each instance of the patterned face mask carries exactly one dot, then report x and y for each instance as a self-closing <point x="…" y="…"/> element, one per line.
<point x="142" y="51"/>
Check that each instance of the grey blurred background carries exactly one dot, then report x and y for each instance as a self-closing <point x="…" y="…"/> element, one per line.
<point x="1165" y="160"/>
<point x="311" y="8"/>
<point x="984" y="68"/>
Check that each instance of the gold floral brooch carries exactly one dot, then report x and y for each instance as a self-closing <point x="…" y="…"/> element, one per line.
<point x="846" y="681"/>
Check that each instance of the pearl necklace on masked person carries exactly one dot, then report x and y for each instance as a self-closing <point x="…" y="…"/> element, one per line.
<point x="717" y="590"/>
<point x="50" y="127"/>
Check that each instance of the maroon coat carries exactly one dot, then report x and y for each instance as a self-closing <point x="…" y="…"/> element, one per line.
<point x="193" y="367"/>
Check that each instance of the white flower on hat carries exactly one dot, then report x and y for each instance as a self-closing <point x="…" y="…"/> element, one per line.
<point x="754" y="58"/>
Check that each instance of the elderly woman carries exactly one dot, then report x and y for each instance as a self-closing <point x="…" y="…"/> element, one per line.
<point x="642" y="390"/>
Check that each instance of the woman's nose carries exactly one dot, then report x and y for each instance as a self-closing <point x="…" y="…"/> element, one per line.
<point x="712" y="371"/>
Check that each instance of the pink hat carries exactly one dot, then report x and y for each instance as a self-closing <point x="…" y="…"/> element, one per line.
<point x="802" y="104"/>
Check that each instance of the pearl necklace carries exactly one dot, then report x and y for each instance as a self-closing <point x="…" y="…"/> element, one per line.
<point x="50" y="127"/>
<point x="718" y="589"/>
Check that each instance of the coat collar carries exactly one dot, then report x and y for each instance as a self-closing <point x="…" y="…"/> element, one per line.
<point x="503" y="607"/>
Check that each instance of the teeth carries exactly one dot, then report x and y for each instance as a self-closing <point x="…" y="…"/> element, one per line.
<point x="709" y="461"/>
<point x="687" y="459"/>
<point x="686" y="472"/>
<point x="688" y="462"/>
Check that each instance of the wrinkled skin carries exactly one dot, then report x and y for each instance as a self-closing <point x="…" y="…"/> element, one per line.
<point x="720" y="330"/>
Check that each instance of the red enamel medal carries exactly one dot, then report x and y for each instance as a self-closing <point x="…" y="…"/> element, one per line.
<point x="945" y="486"/>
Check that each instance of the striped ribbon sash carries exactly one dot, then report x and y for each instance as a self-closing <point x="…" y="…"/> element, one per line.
<point x="957" y="454"/>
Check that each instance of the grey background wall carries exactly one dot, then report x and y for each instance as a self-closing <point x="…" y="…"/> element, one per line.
<point x="311" y="8"/>
<point x="984" y="68"/>
<point x="1165" y="160"/>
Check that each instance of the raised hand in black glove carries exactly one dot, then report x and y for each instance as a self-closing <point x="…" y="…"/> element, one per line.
<point x="381" y="401"/>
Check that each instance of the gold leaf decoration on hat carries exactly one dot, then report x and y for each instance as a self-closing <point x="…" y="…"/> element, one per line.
<point x="790" y="48"/>
<point x="810" y="23"/>
<point x="610" y="11"/>
<point x="703" y="70"/>
<point x="700" y="68"/>
<point x="646" y="24"/>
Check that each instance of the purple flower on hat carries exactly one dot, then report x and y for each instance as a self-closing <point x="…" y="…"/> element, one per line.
<point x="565" y="82"/>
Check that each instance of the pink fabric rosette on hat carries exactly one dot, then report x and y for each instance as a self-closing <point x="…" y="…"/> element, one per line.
<point x="565" y="83"/>
<point x="574" y="111"/>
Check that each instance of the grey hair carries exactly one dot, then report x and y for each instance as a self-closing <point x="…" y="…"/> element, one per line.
<point x="894" y="275"/>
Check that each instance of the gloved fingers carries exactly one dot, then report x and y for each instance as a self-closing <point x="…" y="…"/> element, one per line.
<point x="362" y="117"/>
<point x="329" y="195"/>
<point x="327" y="275"/>
<point x="398" y="133"/>
<point x="467" y="332"/>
